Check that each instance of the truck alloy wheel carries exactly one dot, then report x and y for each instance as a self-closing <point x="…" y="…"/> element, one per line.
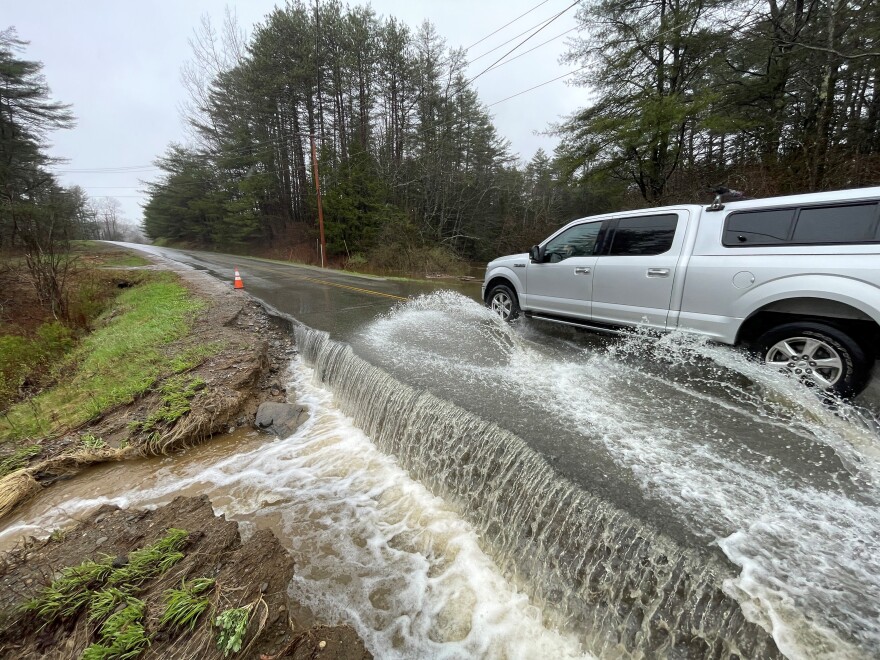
<point x="818" y="355"/>
<point x="503" y="302"/>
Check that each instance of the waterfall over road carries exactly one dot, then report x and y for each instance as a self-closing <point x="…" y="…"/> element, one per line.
<point x="612" y="475"/>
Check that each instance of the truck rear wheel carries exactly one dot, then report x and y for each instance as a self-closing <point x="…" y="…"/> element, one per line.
<point x="818" y="355"/>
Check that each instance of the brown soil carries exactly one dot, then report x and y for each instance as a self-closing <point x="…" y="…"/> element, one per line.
<point x="256" y="571"/>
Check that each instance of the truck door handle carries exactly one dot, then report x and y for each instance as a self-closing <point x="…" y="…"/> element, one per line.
<point x="581" y="270"/>
<point x="658" y="272"/>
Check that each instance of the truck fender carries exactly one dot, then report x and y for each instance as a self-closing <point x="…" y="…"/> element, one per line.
<point x="856" y="293"/>
<point x="506" y="273"/>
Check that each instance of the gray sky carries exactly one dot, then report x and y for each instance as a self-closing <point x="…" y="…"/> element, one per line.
<point x="119" y="62"/>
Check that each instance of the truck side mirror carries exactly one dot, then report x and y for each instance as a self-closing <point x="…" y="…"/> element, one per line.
<point x="536" y="254"/>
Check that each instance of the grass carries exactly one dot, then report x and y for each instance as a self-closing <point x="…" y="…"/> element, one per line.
<point x="102" y="254"/>
<point x="105" y="602"/>
<point x="70" y="591"/>
<point x="147" y="563"/>
<point x="18" y="459"/>
<point x="23" y="358"/>
<point x="122" y="635"/>
<point x="90" y="441"/>
<point x="177" y="392"/>
<point x="120" y="360"/>
<point x="103" y="587"/>
<point x="184" y="606"/>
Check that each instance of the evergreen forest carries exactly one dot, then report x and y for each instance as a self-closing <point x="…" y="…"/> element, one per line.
<point x="765" y="96"/>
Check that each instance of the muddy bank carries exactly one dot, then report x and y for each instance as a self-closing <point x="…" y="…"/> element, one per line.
<point x="240" y="351"/>
<point x="249" y="576"/>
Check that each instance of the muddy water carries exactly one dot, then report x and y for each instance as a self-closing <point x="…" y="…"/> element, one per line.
<point x="373" y="548"/>
<point x="520" y="492"/>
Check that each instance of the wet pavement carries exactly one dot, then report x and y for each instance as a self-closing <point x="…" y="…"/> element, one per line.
<point x="333" y="301"/>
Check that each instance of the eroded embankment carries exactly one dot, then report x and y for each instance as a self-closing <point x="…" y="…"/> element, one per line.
<point x="625" y="587"/>
<point x="208" y="379"/>
<point x="175" y="582"/>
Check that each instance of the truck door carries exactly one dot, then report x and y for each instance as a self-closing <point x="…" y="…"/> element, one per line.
<point x="562" y="284"/>
<point x="633" y="278"/>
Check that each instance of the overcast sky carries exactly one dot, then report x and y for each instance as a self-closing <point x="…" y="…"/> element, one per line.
<point x="119" y="62"/>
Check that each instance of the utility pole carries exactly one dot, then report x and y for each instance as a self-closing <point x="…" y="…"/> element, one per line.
<point x="320" y="206"/>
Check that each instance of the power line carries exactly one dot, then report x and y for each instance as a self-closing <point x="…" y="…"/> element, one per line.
<point x="512" y="96"/>
<point x="506" y="25"/>
<point x="543" y="43"/>
<point x="540" y="23"/>
<point x="488" y="68"/>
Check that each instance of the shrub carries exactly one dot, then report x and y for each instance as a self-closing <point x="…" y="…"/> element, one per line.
<point x="233" y="625"/>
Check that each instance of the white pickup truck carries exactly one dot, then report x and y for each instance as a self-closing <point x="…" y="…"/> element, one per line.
<point x="796" y="279"/>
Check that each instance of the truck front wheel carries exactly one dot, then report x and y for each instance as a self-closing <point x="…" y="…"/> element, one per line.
<point x="502" y="300"/>
<point x="818" y="355"/>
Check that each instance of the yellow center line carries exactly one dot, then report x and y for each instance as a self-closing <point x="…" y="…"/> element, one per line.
<point x="340" y="286"/>
<point x="353" y="288"/>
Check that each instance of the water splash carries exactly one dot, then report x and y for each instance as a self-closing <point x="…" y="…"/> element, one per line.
<point x="627" y="589"/>
<point x="783" y="483"/>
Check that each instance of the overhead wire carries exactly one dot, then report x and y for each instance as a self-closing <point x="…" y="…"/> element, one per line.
<point x="508" y="24"/>
<point x="547" y="23"/>
<point x="543" y="43"/>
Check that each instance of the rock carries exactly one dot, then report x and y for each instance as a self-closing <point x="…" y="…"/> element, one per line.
<point x="282" y="419"/>
<point x="101" y="541"/>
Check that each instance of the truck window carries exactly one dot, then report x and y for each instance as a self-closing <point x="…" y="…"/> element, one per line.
<point x="577" y="241"/>
<point x="748" y="228"/>
<point x="808" y="225"/>
<point x="836" y="224"/>
<point x="643" y="235"/>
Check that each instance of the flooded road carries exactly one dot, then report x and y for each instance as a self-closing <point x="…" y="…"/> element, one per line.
<point x="474" y="489"/>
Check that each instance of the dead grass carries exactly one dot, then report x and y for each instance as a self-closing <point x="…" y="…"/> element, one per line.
<point x="15" y="488"/>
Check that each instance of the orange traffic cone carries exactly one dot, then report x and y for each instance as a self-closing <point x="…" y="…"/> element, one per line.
<point x="238" y="283"/>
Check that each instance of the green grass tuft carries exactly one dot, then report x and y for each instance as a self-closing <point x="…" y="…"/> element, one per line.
<point x="103" y="603"/>
<point x="177" y="393"/>
<point x="122" y="636"/>
<point x="70" y="590"/>
<point x="92" y="442"/>
<point x="184" y="606"/>
<point x="149" y="562"/>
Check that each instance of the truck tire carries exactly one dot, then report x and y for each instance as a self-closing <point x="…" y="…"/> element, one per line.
<point x="819" y="355"/>
<point x="503" y="301"/>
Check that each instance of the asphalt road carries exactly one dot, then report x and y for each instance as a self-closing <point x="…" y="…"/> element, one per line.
<point x="336" y="302"/>
<point x="731" y="461"/>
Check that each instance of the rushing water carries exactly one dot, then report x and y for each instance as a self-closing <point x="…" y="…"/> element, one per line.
<point x="524" y="492"/>
<point x="784" y="484"/>
<point x="373" y="548"/>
